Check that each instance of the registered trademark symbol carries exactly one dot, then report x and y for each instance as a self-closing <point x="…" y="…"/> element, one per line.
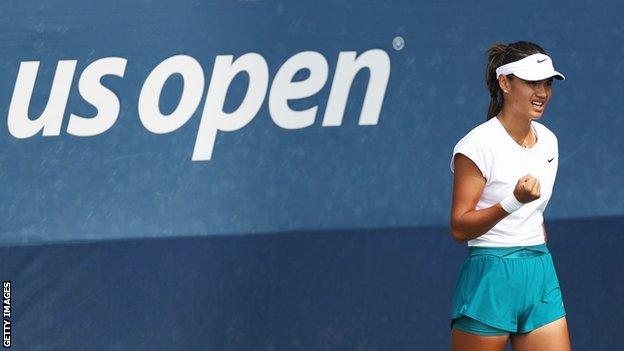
<point x="398" y="43"/>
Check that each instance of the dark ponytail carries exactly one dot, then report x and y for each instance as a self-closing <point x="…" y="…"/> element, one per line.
<point x="498" y="55"/>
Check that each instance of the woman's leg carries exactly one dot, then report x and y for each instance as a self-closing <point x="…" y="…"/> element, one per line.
<point x="550" y="337"/>
<point x="470" y="334"/>
<point x="462" y="341"/>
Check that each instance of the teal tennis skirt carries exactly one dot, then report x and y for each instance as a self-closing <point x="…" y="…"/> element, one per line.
<point x="514" y="289"/>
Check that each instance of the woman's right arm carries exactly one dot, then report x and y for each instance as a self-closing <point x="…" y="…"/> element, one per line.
<point x="466" y="221"/>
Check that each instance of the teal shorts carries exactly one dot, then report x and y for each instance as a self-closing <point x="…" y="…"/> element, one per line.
<point x="506" y="289"/>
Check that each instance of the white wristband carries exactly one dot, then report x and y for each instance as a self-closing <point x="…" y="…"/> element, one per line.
<point x="510" y="203"/>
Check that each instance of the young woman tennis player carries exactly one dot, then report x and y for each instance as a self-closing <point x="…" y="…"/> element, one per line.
<point x="504" y="171"/>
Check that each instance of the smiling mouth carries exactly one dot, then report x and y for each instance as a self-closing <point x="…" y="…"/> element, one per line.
<point x="537" y="104"/>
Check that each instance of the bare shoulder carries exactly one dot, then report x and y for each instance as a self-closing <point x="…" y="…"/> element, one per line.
<point x="465" y="167"/>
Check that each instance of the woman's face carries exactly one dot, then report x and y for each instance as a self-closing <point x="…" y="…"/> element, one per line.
<point x="528" y="98"/>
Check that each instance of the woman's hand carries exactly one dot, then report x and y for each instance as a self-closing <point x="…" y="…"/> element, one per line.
<point x="527" y="189"/>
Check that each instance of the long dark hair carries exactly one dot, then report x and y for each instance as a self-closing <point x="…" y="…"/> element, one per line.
<point x="498" y="55"/>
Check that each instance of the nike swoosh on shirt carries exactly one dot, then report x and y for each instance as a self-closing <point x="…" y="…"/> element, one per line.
<point x="538" y="61"/>
<point x="551" y="160"/>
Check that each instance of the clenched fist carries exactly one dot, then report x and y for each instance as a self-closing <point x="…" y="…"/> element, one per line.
<point x="527" y="189"/>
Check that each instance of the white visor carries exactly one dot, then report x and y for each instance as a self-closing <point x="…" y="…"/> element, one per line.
<point x="532" y="68"/>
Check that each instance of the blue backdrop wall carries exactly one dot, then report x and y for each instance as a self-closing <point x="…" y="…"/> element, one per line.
<point x="203" y="175"/>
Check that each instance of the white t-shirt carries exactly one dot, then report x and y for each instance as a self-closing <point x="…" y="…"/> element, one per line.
<point x="503" y="162"/>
